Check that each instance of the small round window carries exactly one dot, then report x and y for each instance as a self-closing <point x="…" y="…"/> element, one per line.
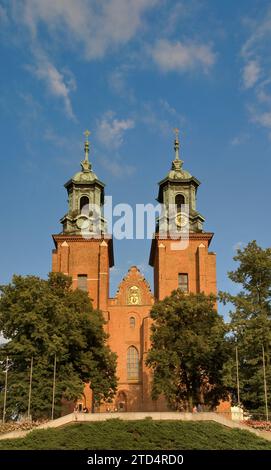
<point x="132" y="322"/>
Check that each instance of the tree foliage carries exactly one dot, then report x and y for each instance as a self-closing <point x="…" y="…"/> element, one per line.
<point x="250" y="324"/>
<point x="188" y="350"/>
<point x="44" y="318"/>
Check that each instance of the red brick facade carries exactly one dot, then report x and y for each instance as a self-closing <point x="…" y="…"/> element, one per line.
<point x="127" y="314"/>
<point x="195" y="260"/>
<point x="88" y="262"/>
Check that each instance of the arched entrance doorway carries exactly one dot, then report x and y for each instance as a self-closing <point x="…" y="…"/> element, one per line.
<point x="122" y="402"/>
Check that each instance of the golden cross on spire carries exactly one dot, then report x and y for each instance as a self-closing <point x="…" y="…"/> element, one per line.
<point x="87" y="134"/>
<point x="177" y="131"/>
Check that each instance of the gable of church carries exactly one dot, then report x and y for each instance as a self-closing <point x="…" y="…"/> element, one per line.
<point x="134" y="290"/>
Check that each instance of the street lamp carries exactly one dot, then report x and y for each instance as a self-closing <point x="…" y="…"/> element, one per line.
<point x="5" y="391"/>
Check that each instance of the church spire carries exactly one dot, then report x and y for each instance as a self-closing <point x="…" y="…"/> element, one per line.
<point x="177" y="144"/>
<point x="84" y="189"/>
<point x="179" y="187"/>
<point x="85" y="164"/>
<point x="177" y="162"/>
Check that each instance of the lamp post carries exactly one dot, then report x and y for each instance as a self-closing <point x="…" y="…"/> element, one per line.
<point x="54" y="389"/>
<point x="265" y="387"/>
<point x="237" y="375"/>
<point x="5" y="391"/>
<point x="30" y="389"/>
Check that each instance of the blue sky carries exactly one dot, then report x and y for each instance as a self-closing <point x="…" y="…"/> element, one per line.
<point x="131" y="71"/>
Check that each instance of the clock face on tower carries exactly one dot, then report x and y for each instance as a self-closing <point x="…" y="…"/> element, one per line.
<point x="181" y="220"/>
<point x="82" y="222"/>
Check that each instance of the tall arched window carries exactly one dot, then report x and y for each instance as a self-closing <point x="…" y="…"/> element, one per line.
<point x="179" y="200"/>
<point x="132" y="322"/>
<point x="132" y="363"/>
<point x="84" y="205"/>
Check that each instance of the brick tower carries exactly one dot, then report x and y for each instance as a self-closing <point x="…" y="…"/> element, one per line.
<point x="83" y="250"/>
<point x="180" y="258"/>
<point x="179" y="251"/>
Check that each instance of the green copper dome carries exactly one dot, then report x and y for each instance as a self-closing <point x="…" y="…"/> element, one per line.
<point x="85" y="200"/>
<point x="84" y="177"/>
<point x="180" y="185"/>
<point x="177" y="172"/>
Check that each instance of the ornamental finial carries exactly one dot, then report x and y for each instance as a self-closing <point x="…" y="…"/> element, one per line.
<point x="177" y="143"/>
<point x="87" y="134"/>
<point x="86" y="166"/>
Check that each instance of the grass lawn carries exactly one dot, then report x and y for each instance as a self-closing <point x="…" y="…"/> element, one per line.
<point x="144" y="435"/>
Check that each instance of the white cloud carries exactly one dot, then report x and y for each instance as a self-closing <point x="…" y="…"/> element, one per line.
<point x="3" y="15"/>
<point x="51" y="136"/>
<point x="256" y="71"/>
<point x="117" y="168"/>
<point x="32" y="108"/>
<point x="240" y="139"/>
<point x="92" y="28"/>
<point x="251" y="73"/>
<point x="177" y="11"/>
<point x="177" y="56"/>
<point x="262" y="118"/>
<point x="155" y="121"/>
<point x="161" y="117"/>
<point x="118" y="82"/>
<point x="110" y="130"/>
<point x="263" y="96"/>
<point x="169" y="109"/>
<point x="93" y="25"/>
<point x="260" y="30"/>
<point x="59" y="84"/>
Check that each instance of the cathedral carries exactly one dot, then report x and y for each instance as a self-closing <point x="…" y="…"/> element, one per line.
<point x="87" y="256"/>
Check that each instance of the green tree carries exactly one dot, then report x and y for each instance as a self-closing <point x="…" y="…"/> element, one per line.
<point x="250" y="324"/>
<point x="44" y="318"/>
<point x="188" y="350"/>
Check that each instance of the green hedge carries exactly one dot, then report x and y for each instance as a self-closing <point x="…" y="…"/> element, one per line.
<point x="147" y="434"/>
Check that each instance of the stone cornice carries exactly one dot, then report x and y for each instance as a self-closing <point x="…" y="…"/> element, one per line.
<point x="79" y="238"/>
<point x="167" y="179"/>
<point x="62" y="237"/>
<point x="191" y="236"/>
<point x="84" y="183"/>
